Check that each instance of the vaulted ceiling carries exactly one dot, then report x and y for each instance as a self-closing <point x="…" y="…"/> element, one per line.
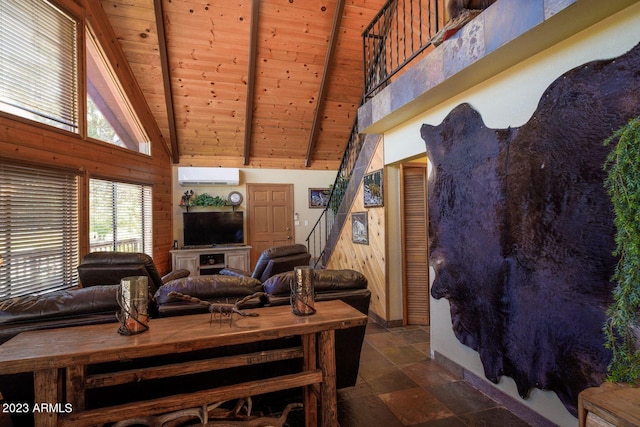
<point x="254" y="83"/>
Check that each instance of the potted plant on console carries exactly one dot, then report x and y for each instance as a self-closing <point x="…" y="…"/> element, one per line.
<point x="623" y="315"/>
<point x="611" y="403"/>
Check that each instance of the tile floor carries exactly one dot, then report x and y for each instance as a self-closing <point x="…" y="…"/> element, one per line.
<point x="399" y="385"/>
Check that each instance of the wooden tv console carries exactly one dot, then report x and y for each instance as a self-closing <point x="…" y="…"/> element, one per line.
<point x="210" y="260"/>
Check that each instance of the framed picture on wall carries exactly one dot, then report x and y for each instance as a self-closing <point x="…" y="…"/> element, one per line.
<point x="373" y="195"/>
<point x="360" y="228"/>
<point x="319" y="197"/>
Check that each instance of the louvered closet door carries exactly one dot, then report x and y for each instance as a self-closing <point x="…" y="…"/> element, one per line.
<point x="416" y="269"/>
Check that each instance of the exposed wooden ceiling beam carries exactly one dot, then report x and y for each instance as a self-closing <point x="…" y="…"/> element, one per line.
<point x="251" y="80"/>
<point x="166" y="80"/>
<point x="333" y="38"/>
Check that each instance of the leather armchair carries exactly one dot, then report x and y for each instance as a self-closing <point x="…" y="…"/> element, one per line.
<point x="107" y="268"/>
<point x="277" y="259"/>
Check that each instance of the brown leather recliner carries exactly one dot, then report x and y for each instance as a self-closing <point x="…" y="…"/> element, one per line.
<point x="272" y="261"/>
<point x="107" y="268"/>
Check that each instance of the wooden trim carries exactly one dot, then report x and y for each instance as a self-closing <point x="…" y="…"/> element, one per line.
<point x="70" y="6"/>
<point x="32" y="164"/>
<point x="82" y="76"/>
<point x="403" y="244"/>
<point x="84" y="246"/>
<point x="322" y="95"/>
<point x="251" y="80"/>
<point x="166" y="81"/>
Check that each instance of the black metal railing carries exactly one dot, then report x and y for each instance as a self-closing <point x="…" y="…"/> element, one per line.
<point x="400" y="32"/>
<point x="317" y="239"/>
<point x="319" y="235"/>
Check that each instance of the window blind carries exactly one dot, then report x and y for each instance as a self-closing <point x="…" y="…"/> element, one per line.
<point x="120" y="217"/>
<point x="38" y="230"/>
<point x="38" y="63"/>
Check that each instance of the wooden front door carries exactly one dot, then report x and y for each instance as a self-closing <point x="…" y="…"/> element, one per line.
<point x="415" y="245"/>
<point x="270" y="222"/>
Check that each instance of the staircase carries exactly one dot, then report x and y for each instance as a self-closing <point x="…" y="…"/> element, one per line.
<point x="401" y="32"/>
<point x="318" y="241"/>
<point x="326" y="231"/>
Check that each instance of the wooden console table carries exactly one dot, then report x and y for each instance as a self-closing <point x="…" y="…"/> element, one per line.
<point x="60" y="357"/>
<point x="611" y="404"/>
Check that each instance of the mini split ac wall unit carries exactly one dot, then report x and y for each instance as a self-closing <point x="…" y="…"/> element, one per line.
<point x="208" y="176"/>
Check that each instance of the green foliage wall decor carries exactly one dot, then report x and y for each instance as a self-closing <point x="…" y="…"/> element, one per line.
<point x="206" y="200"/>
<point x="623" y="185"/>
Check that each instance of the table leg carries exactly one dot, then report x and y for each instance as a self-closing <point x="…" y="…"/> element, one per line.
<point x="46" y="392"/>
<point x="75" y="387"/>
<point x="327" y="360"/>
<point x="310" y="364"/>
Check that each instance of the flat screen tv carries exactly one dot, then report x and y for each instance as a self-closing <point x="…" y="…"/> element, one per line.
<point x="213" y="228"/>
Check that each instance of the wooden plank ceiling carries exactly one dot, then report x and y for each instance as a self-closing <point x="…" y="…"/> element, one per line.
<point x="300" y="107"/>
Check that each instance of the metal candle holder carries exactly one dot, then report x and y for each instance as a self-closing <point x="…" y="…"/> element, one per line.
<point x="133" y="296"/>
<point x="302" y="294"/>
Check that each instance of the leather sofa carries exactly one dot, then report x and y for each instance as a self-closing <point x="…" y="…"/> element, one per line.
<point x="107" y="268"/>
<point x="96" y="302"/>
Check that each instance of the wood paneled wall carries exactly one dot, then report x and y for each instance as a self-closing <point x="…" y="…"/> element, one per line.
<point x="23" y="141"/>
<point x="369" y="259"/>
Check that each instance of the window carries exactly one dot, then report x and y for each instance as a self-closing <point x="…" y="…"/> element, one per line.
<point x="110" y="117"/>
<point x="120" y="217"/>
<point x="39" y="63"/>
<point x="38" y="230"/>
<point x="39" y="76"/>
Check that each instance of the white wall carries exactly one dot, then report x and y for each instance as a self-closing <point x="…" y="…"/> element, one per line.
<point x="509" y="99"/>
<point x="302" y="180"/>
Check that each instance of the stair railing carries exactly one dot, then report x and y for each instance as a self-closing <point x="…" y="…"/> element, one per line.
<point x="318" y="238"/>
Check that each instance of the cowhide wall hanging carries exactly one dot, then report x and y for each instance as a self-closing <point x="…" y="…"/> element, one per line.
<point x="521" y="229"/>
